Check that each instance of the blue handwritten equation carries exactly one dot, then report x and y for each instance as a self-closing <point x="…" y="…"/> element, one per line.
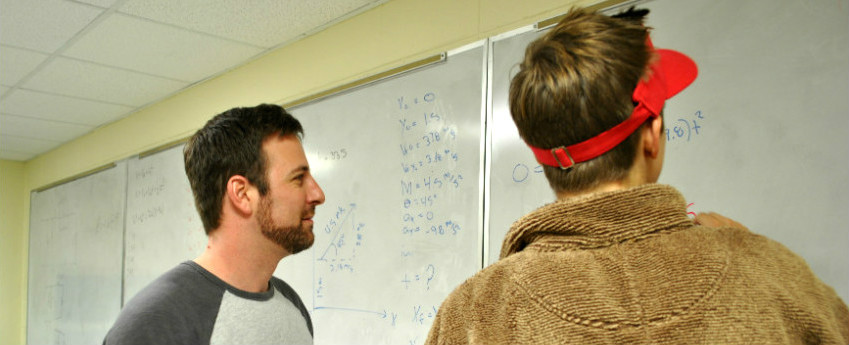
<point x="447" y="227"/>
<point x="684" y="129"/>
<point x="430" y="178"/>
<point x="422" y="315"/>
<point x="421" y="279"/>
<point x="522" y="172"/>
<point x="428" y="158"/>
<point x="403" y="263"/>
<point x="429" y="139"/>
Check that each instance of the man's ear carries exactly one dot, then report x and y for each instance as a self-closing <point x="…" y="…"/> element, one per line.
<point x="239" y="194"/>
<point x="652" y="135"/>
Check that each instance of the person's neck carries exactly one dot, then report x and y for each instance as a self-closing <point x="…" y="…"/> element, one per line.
<point x="636" y="177"/>
<point x="244" y="265"/>
<point x="602" y="188"/>
<point x="646" y="167"/>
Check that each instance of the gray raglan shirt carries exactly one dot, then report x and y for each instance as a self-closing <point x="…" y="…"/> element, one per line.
<point x="190" y="305"/>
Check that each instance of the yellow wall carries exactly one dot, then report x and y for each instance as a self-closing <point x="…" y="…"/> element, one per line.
<point x="393" y="34"/>
<point x="13" y="215"/>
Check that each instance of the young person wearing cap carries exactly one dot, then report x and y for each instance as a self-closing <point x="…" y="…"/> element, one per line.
<point x="616" y="259"/>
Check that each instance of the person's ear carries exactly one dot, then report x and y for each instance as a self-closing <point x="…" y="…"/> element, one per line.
<point x="652" y="135"/>
<point x="239" y="194"/>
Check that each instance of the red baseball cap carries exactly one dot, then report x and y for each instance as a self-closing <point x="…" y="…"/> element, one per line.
<point x="670" y="73"/>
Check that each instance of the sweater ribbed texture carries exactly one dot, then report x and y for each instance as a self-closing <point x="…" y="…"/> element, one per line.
<point x="629" y="267"/>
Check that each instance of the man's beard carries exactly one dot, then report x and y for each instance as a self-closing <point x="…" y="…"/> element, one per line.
<point x="293" y="239"/>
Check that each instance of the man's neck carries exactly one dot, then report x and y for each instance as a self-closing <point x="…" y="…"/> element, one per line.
<point x="644" y="170"/>
<point x="245" y="266"/>
<point x="605" y="187"/>
<point x="636" y="177"/>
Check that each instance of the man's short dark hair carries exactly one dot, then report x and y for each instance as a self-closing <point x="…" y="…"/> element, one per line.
<point x="231" y="144"/>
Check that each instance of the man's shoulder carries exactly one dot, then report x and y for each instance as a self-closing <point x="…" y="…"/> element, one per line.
<point x="185" y="282"/>
<point x="172" y="307"/>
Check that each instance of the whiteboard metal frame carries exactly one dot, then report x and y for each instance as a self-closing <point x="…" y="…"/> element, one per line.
<point x="75" y="177"/>
<point x="483" y="174"/>
<point x="485" y="252"/>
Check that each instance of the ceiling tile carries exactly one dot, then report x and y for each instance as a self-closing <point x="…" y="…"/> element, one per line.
<point x="159" y="49"/>
<point x="32" y="128"/>
<point x="43" y="25"/>
<point x="17" y="63"/>
<point x="61" y="108"/>
<point x="96" y="82"/>
<point x="67" y="66"/>
<point x="266" y="23"/>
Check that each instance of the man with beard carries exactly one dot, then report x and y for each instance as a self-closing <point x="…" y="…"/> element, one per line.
<point x="256" y="197"/>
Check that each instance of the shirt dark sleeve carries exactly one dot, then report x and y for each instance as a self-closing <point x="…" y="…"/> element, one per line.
<point x="179" y="307"/>
<point x="148" y="328"/>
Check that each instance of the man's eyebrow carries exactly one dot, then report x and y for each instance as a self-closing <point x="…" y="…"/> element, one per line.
<point x="299" y="169"/>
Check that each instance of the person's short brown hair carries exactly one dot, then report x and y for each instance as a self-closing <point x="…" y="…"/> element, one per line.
<point x="231" y="144"/>
<point x="576" y="82"/>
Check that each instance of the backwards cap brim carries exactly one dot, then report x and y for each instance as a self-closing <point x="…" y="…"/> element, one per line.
<point x="679" y="70"/>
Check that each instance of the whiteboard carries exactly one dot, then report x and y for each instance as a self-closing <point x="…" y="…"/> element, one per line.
<point x="400" y="162"/>
<point x="163" y="227"/>
<point x="772" y="145"/>
<point x="76" y="232"/>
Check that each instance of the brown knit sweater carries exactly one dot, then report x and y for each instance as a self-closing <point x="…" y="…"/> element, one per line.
<point x="629" y="267"/>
